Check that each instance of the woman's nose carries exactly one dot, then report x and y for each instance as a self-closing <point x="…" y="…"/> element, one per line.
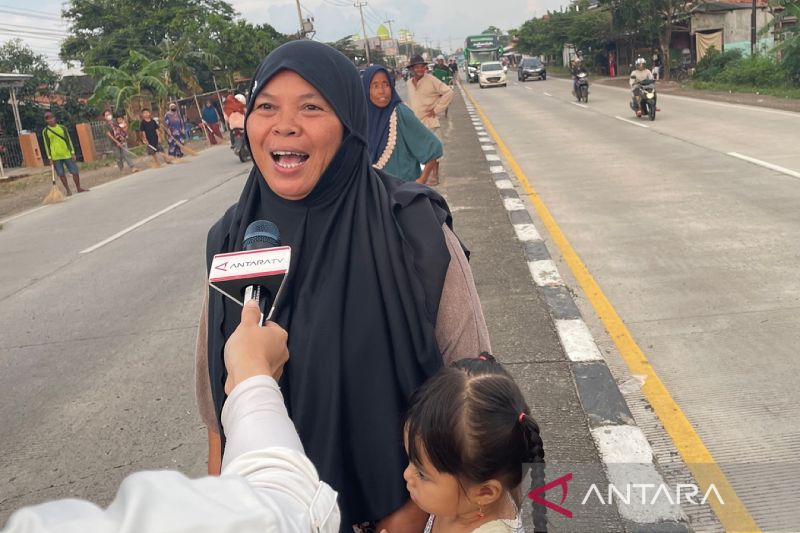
<point x="285" y="126"/>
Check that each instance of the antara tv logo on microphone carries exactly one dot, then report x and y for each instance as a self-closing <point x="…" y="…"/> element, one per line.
<point x="250" y="264"/>
<point x="232" y="273"/>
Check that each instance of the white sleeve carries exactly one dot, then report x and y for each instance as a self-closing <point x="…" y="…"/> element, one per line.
<point x="169" y="502"/>
<point x="254" y="417"/>
<point x="267" y="485"/>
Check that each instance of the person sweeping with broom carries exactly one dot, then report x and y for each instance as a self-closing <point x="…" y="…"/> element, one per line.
<point x="61" y="153"/>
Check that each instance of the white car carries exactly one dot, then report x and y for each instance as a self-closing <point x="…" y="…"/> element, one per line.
<point x="492" y="73"/>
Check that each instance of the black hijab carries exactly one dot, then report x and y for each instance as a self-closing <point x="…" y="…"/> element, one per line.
<point x="367" y="270"/>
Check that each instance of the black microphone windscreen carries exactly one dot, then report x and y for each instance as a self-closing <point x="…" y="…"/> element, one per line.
<point x="261" y="234"/>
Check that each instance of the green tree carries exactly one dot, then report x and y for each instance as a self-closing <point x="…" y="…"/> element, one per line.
<point x="585" y="29"/>
<point x="17" y="57"/>
<point x="239" y="45"/>
<point x="183" y="64"/>
<point x="651" y="21"/>
<point x="104" y="31"/>
<point x="788" y="49"/>
<point x="138" y="79"/>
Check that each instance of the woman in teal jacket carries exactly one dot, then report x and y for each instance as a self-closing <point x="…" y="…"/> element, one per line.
<point x="399" y="144"/>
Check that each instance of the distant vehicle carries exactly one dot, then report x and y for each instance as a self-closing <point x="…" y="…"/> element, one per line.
<point x="582" y="87"/>
<point x="492" y="73"/>
<point x="531" y="67"/>
<point x="239" y="146"/>
<point x="480" y="49"/>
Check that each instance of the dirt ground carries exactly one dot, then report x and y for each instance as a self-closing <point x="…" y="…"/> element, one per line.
<point x="27" y="190"/>
<point x="671" y="87"/>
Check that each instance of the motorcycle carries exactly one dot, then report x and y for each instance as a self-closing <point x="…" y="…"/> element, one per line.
<point x="582" y="87"/>
<point x="239" y="146"/>
<point x="646" y="91"/>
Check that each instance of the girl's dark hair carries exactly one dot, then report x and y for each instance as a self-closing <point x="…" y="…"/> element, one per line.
<point x="471" y="421"/>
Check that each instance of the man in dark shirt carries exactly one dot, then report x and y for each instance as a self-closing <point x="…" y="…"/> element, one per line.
<point x="151" y="137"/>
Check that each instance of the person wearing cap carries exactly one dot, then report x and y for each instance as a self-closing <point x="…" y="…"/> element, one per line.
<point x="442" y="72"/>
<point x="638" y="75"/>
<point x="427" y="97"/>
<point x="61" y="152"/>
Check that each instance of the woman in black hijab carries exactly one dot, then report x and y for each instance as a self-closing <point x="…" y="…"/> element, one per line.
<point x="370" y="257"/>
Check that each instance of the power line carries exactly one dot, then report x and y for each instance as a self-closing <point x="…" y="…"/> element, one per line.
<point x="35" y="29"/>
<point x="26" y="35"/>
<point x="31" y="13"/>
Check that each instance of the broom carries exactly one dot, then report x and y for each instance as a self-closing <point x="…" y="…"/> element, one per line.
<point x="55" y="195"/>
<point x="171" y="160"/>
<point x="185" y="148"/>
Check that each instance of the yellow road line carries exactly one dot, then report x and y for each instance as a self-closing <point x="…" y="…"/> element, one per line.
<point x="733" y="515"/>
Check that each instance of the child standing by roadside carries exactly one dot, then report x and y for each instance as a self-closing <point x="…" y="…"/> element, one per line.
<point x="469" y="434"/>
<point x="61" y="152"/>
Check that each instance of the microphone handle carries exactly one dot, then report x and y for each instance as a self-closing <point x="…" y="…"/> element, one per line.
<point x="262" y="296"/>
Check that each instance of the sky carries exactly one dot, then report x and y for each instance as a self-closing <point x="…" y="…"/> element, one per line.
<point x="443" y="23"/>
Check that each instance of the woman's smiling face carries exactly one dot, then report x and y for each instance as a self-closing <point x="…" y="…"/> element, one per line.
<point x="380" y="92"/>
<point x="294" y="134"/>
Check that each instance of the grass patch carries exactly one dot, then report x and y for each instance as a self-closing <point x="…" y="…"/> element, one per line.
<point x="779" y="91"/>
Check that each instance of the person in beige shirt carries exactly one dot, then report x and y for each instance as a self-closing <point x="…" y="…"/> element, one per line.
<point x="638" y="75"/>
<point x="428" y="97"/>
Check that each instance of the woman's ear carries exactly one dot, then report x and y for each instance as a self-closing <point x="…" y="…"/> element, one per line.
<point x="486" y="493"/>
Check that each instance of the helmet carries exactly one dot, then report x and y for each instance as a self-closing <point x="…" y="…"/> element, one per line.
<point x="440" y="58"/>
<point x="640" y="61"/>
<point x="241" y="99"/>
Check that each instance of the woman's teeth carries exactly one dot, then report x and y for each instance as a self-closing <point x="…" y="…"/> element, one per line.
<point x="289" y="160"/>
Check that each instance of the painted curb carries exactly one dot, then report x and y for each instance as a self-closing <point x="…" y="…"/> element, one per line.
<point x="618" y="439"/>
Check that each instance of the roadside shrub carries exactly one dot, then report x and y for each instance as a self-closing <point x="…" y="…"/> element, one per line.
<point x="757" y="71"/>
<point x="790" y="52"/>
<point x="715" y="62"/>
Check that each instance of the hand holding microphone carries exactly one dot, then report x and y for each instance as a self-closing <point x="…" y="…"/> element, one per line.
<point x="254" y="350"/>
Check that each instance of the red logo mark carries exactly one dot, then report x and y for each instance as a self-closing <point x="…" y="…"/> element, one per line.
<point x="223" y="267"/>
<point x="562" y="482"/>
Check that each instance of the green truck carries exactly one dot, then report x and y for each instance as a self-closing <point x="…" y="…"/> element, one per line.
<point x="479" y="49"/>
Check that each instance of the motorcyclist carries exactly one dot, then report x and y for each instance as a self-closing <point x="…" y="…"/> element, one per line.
<point x="442" y="71"/>
<point x="453" y="66"/>
<point x="577" y="68"/>
<point x="638" y="75"/>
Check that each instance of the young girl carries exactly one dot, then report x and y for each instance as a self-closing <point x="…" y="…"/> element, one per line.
<point x="468" y="435"/>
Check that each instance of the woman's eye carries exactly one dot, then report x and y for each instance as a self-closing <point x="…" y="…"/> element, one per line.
<point x="420" y="475"/>
<point x="312" y="107"/>
<point x="265" y="105"/>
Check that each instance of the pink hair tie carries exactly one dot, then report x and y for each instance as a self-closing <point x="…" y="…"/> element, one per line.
<point x="482" y="357"/>
<point x="521" y="417"/>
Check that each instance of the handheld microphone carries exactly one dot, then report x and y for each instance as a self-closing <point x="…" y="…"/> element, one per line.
<point x="257" y="272"/>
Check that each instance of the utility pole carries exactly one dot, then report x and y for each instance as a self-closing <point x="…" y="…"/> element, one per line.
<point x="753" y="31"/>
<point x="389" y="22"/>
<point x="391" y="36"/>
<point x="360" y="6"/>
<point x="302" y="32"/>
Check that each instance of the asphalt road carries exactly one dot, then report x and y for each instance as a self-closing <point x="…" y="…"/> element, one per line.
<point x="696" y="248"/>
<point x="97" y="344"/>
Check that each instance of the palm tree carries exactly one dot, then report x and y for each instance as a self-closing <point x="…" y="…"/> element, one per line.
<point x="180" y="76"/>
<point x="138" y="78"/>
